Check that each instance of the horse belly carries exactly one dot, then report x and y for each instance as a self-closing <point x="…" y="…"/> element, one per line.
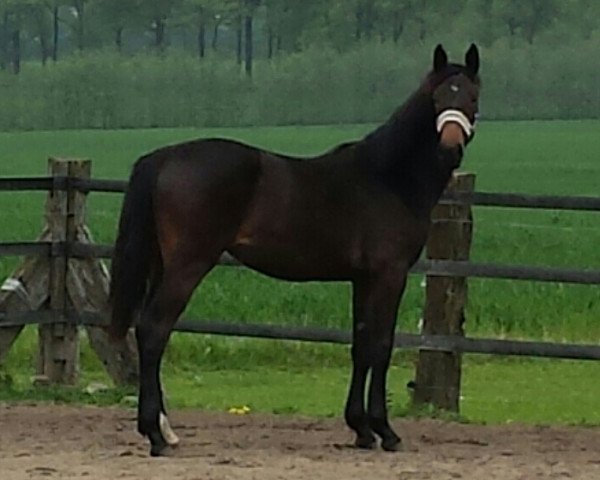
<point x="291" y="264"/>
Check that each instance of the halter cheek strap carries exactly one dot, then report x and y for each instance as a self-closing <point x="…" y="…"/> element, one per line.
<point x="455" y="116"/>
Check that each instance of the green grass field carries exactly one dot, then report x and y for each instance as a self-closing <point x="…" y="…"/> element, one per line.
<point x="493" y="391"/>
<point x="531" y="157"/>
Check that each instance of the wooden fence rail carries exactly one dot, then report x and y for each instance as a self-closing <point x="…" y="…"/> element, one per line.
<point x="442" y="343"/>
<point x="63" y="285"/>
<point x="440" y="268"/>
<point x="484" y="199"/>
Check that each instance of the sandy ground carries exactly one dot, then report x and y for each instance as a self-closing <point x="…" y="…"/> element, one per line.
<point x="51" y="442"/>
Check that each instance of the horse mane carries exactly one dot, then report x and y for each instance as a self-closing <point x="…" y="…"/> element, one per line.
<point x="401" y="134"/>
<point x="409" y="125"/>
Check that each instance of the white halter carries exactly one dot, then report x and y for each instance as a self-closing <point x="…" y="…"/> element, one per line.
<point x="455" y="116"/>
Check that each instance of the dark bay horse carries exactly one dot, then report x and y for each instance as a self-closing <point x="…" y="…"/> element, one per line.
<point x="359" y="213"/>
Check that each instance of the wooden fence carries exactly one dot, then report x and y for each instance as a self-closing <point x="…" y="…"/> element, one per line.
<point x="63" y="284"/>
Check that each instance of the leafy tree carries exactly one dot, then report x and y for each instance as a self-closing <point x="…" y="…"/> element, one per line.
<point x="202" y="15"/>
<point x="53" y="10"/>
<point x="249" y="10"/>
<point x="39" y="24"/>
<point x="117" y="16"/>
<point x="155" y="14"/>
<point x="198" y="14"/>
<point x="526" y="17"/>
<point x="78" y="20"/>
<point x="14" y="15"/>
<point x="4" y="32"/>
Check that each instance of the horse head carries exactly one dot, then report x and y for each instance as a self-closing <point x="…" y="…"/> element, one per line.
<point x="455" y="94"/>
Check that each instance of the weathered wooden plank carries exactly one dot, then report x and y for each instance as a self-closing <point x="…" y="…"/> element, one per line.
<point x="25" y="290"/>
<point x="88" y="286"/>
<point x="59" y="344"/>
<point x="17" y="249"/>
<point x="438" y="374"/>
<point x="87" y="185"/>
<point x="23" y="184"/>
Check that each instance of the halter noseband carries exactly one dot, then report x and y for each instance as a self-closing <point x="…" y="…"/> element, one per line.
<point x="456" y="116"/>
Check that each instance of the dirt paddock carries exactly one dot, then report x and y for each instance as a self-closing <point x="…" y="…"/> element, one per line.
<point x="51" y="442"/>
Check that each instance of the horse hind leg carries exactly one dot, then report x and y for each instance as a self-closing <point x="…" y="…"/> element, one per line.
<point x="167" y="432"/>
<point x="171" y="295"/>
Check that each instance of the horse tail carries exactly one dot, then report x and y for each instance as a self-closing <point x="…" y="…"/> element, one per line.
<point x="136" y="249"/>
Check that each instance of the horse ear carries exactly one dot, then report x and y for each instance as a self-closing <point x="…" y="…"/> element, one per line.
<point x="440" y="58"/>
<point x="472" y="59"/>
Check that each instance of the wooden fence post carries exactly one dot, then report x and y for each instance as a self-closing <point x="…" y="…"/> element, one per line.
<point x="88" y="285"/>
<point x="58" y="342"/>
<point x="439" y="373"/>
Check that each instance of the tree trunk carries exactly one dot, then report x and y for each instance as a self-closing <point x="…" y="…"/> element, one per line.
<point x="422" y="29"/>
<point x="55" y="33"/>
<point x="119" y="39"/>
<point x="215" y="36"/>
<point x="358" y="31"/>
<point x="512" y="26"/>
<point x="249" y="40"/>
<point x="16" y="51"/>
<point x="44" y="49"/>
<point x="80" y="25"/>
<point x="239" y="39"/>
<point x="270" y="38"/>
<point x="80" y="35"/>
<point x="4" y="43"/>
<point x="159" y="34"/>
<point x="398" y="27"/>
<point x="529" y="32"/>
<point x="201" y="40"/>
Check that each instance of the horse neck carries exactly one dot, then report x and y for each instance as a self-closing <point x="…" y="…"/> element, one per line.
<point x="402" y="153"/>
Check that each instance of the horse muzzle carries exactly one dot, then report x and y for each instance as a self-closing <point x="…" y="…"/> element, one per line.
<point x="454" y="128"/>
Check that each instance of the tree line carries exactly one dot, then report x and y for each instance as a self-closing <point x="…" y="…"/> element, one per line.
<point x="51" y="29"/>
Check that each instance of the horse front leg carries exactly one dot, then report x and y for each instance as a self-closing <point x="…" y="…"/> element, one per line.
<point x="375" y="307"/>
<point x="355" y="414"/>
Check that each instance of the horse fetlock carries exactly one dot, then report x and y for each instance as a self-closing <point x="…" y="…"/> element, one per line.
<point x="167" y="432"/>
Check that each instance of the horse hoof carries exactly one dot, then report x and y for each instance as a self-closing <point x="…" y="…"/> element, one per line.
<point x="161" y="450"/>
<point x="365" y="443"/>
<point x="392" y="444"/>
